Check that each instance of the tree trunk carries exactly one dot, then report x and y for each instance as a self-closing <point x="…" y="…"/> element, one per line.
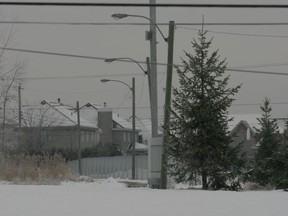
<point x="204" y="180"/>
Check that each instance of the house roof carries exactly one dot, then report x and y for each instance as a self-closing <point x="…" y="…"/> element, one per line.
<point x="89" y="115"/>
<point x="251" y="120"/>
<point x="245" y="123"/>
<point x="145" y="125"/>
<point x="53" y="114"/>
<point x="121" y="121"/>
<point x="115" y="117"/>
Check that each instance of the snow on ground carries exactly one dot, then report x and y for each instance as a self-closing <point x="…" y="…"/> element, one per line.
<point x="111" y="198"/>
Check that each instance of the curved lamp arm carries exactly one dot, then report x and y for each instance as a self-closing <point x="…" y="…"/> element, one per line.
<point x="123" y="58"/>
<point x="121" y="16"/>
<point x="112" y="80"/>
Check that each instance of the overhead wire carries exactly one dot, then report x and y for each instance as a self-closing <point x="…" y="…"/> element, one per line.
<point x="161" y="107"/>
<point x="261" y="65"/>
<point x="140" y="62"/>
<point x="80" y="76"/>
<point x="66" y="92"/>
<point x="237" y="34"/>
<point x="100" y="4"/>
<point x="123" y="100"/>
<point x="146" y="23"/>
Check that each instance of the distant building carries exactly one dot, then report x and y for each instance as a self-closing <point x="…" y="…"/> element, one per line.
<point x="115" y="129"/>
<point x="242" y="130"/>
<point x="54" y="125"/>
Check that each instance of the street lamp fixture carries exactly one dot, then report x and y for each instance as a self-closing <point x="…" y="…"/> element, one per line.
<point x="153" y="105"/>
<point x="112" y="80"/>
<point x="122" y="16"/>
<point x="132" y="89"/>
<point x="104" y="80"/>
<point x="119" y="16"/>
<point x="109" y="60"/>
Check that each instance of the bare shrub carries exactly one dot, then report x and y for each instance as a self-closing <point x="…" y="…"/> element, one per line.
<point x="35" y="169"/>
<point x="54" y="167"/>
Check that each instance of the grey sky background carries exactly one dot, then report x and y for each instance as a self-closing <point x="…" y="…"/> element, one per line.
<point x="109" y="41"/>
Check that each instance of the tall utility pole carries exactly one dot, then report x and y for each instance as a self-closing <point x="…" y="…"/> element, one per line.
<point x="163" y="181"/>
<point x="78" y="138"/>
<point x="153" y="71"/>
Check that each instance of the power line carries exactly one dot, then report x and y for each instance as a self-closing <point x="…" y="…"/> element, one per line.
<point x="161" y="107"/>
<point x="145" y="24"/>
<point x="262" y="65"/>
<point x="237" y="34"/>
<point x="242" y="104"/>
<point x="74" y="4"/>
<point x="259" y="104"/>
<point x="128" y="61"/>
<point x="257" y="72"/>
<point x="227" y="69"/>
<point x="53" y="53"/>
<point x="65" y="92"/>
<point x="81" y="76"/>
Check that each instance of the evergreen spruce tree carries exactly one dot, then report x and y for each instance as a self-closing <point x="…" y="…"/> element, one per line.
<point x="268" y="139"/>
<point x="198" y="129"/>
<point x="280" y="166"/>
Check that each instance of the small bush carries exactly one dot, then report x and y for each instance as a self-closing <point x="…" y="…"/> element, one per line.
<point x="34" y="168"/>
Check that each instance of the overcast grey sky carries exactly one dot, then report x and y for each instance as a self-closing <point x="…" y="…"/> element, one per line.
<point x="242" y="46"/>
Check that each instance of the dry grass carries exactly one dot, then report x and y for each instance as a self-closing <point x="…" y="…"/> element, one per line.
<point x="34" y="169"/>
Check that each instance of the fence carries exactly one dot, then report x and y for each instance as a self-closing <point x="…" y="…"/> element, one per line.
<point x="116" y="167"/>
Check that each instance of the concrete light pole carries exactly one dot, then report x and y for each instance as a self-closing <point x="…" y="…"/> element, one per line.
<point x="132" y="89"/>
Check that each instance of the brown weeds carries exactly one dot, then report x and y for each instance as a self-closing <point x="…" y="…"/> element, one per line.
<point x="35" y="168"/>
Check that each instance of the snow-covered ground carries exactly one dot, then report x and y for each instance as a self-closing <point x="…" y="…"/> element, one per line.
<point x="111" y="198"/>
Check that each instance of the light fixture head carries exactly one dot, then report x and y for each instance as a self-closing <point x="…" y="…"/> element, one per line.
<point x="104" y="80"/>
<point x="110" y="60"/>
<point x="119" y="16"/>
